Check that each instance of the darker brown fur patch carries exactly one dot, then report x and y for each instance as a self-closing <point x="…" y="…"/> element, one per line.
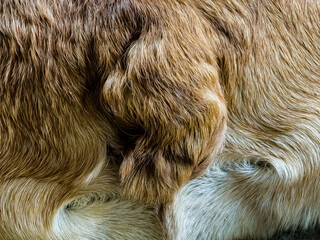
<point x="138" y="77"/>
<point x="162" y="85"/>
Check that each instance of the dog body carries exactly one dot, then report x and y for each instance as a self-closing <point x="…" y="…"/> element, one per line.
<point x="56" y="179"/>
<point x="267" y="177"/>
<point x="90" y="88"/>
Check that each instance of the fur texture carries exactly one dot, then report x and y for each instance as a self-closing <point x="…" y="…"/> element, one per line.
<point x="56" y="177"/>
<point x="79" y="74"/>
<point x="267" y="177"/>
<point x="92" y="88"/>
<point x="163" y="94"/>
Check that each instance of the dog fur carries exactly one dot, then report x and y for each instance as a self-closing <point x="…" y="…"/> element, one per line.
<point x="91" y="88"/>
<point x="115" y="73"/>
<point x="267" y="177"/>
<point x="163" y="94"/>
<point x="57" y="180"/>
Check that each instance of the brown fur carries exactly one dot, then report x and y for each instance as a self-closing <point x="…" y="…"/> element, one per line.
<point x="81" y="81"/>
<point x="155" y="93"/>
<point x="56" y="59"/>
<point x="149" y="83"/>
<point x="267" y="176"/>
<point x="54" y="134"/>
<point x="152" y="112"/>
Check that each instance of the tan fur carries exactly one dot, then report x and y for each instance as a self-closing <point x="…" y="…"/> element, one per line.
<point x="149" y="84"/>
<point x="54" y="133"/>
<point x="267" y="177"/>
<point x="154" y="92"/>
<point x="120" y="73"/>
